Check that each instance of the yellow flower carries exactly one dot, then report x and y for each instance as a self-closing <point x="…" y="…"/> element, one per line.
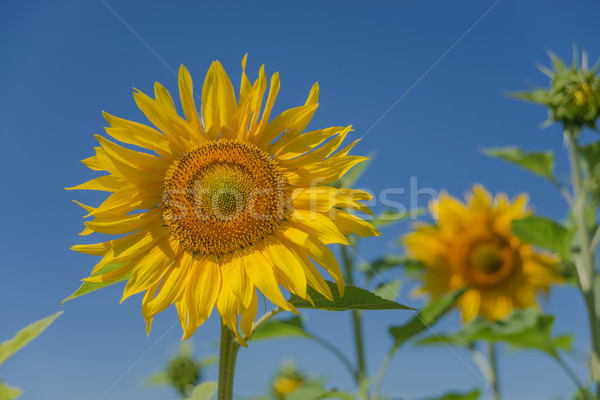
<point x="214" y="208"/>
<point x="284" y="386"/>
<point x="472" y="246"/>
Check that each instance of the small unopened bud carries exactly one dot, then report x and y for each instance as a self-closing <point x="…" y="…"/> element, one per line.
<point x="573" y="97"/>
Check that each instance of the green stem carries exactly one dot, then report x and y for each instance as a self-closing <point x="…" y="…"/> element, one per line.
<point x="494" y="371"/>
<point x="381" y="373"/>
<point x="338" y="353"/>
<point x="482" y="362"/>
<point x="227" y="357"/>
<point x="571" y="374"/>
<point x="264" y="319"/>
<point x="585" y="262"/>
<point x="357" y="325"/>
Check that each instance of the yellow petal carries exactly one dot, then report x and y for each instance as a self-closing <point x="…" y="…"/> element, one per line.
<point x="285" y="149"/>
<point x="133" y="158"/>
<point x="127" y="223"/>
<point x="284" y="121"/>
<point x="470" y="304"/>
<point x="163" y="96"/>
<point x="260" y="271"/>
<point x="248" y="316"/>
<point x="204" y="287"/>
<point x="273" y="90"/>
<point x="175" y="129"/>
<point x="348" y="223"/>
<point x="148" y="296"/>
<point x="318" y="224"/>
<point x="139" y="135"/>
<point x="172" y="286"/>
<point x="186" y="93"/>
<point x="106" y="183"/>
<point x="289" y="265"/>
<point x="148" y="271"/>
<point x="301" y="124"/>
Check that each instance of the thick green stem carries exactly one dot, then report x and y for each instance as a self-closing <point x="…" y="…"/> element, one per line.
<point x="494" y="371"/>
<point x="357" y="326"/>
<point x="227" y="357"/>
<point x="585" y="261"/>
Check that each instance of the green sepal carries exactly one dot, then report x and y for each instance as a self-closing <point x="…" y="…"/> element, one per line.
<point x="88" y="287"/>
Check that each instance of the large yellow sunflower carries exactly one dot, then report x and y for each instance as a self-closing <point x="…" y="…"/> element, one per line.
<point x="472" y="245"/>
<point x="219" y="205"/>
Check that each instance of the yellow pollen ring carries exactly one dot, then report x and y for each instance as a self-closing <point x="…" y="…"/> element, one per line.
<point x="223" y="196"/>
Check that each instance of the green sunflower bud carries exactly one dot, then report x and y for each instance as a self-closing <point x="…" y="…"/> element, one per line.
<point x="573" y="97"/>
<point x="183" y="373"/>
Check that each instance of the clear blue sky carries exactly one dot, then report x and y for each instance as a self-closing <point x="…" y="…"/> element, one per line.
<point x="65" y="62"/>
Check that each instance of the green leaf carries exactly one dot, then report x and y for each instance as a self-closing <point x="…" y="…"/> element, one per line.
<point x="388" y="290"/>
<point x="473" y="395"/>
<point x="425" y="318"/>
<point x="87" y="287"/>
<point x="526" y="329"/>
<point x="391" y="216"/>
<point x="203" y="391"/>
<point x="374" y="268"/>
<point x="24" y="336"/>
<point x="8" y="393"/>
<point x="208" y="361"/>
<point x="314" y="390"/>
<point x="541" y="163"/>
<point x="543" y="232"/>
<point x="591" y="154"/>
<point x="274" y="328"/>
<point x="158" y="379"/>
<point x="354" y="299"/>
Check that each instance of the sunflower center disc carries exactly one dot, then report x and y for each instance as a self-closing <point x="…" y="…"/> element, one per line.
<point x="487" y="258"/>
<point x="223" y="196"/>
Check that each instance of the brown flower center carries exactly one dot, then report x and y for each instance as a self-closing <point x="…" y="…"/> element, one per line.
<point x="485" y="258"/>
<point x="223" y="196"/>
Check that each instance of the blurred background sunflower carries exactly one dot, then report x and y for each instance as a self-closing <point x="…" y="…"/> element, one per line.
<point x="472" y="246"/>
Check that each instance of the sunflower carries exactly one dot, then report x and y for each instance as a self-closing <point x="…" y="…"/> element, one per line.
<point x="472" y="246"/>
<point x="213" y="209"/>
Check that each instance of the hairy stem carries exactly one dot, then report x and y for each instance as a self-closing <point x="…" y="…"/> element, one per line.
<point x="356" y="324"/>
<point x="585" y="260"/>
<point x="227" y="357"/>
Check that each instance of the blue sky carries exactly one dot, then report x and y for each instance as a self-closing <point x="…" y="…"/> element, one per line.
<point x="423" y="81"/>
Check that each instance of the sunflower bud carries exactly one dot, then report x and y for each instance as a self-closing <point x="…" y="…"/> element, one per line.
<point x="183" y="373"/>
<point x="287" y="381"/>
<point x="573" y="97"/>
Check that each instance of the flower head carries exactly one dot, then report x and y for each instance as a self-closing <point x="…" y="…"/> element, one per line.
<point x="573" y="97"/>
<point x="212" y="208"/>
<point x="287" y="381"/>
<point x="472" y="246"/>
